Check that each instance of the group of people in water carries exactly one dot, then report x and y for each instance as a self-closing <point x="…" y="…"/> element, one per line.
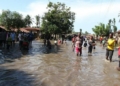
<point x="110" y="43"/>
<point x="77" y="43"/>
<point x="8" y="39"/>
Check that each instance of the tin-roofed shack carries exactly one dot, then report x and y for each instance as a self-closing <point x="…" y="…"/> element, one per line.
<point x="2" y="29"/>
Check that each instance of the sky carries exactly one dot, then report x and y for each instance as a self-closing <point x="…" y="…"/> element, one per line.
<point x="88" y="13"/>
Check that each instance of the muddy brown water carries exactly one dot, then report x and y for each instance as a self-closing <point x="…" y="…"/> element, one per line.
<point x="37" y="68"/>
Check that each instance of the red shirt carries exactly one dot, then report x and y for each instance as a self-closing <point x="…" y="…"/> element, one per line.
<point x="119" y="51"/>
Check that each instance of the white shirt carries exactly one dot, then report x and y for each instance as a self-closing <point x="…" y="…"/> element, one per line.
<point x="19" y="37"/>
<point x="55" y="41"/>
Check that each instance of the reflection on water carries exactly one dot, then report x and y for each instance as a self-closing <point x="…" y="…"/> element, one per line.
<point x="34" y="68"/>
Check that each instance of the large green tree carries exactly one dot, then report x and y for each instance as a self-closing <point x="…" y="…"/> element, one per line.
<point x="101" y="29"/>
<point x="10" y="19"/>
<point x="5" y="18"/>
<point x="17" y="20"/>
<point x="58" y="20"/>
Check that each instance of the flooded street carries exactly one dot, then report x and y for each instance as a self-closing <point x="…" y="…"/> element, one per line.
<point x="37" y="68"/>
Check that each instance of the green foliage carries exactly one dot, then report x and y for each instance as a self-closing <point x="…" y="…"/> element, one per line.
<point x="101" y="29"/>
<point x="11" y="19"/>
<point x="114" y="27"/>
<point x="28" y="20"/>
<point x="59" y="19"/>
<point x="37" y="17"/>
<point x="86" y="33"/>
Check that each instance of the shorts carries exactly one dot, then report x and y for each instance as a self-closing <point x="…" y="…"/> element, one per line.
<point x="77" y="49"/>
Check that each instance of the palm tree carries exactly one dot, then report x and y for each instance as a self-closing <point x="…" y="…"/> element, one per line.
<point x="114" y="27"/>
<point x="114" y="21"/>
<point x="109" y="23"/>
<point x="37" y="17"/>
<point x="28" y="20"/>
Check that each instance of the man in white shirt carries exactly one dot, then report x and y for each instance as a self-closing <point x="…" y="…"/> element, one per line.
<point x="55" y="42"/>
<point x="20" y="41"/>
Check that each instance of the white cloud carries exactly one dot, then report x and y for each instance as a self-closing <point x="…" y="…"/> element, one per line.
<point x="36" y="8"/>
<point x="81" y="8"/>
<point x="88" y="9"/>
<point x="84" y="10"/>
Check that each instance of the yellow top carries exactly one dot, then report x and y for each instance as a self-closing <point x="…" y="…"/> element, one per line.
<point x="111" y="44"/>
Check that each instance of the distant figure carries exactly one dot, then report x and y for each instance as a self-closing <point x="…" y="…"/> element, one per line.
<point x="103" y="42"/>
<point x="9" y="40"/>
<point x="44" y="41"/>
<point x="59" y="42"/>
<point x="101" y="38"/>
<point x="65" y="42"/>
<point x="49" y="44"/>
<point x="91" y="45"/>
<point x="13" y="36"/>
<point x="73" y="42"/>
<point x="30" y="38"/>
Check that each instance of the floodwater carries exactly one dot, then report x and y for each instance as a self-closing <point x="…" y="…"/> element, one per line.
<point x="38" y="68"/>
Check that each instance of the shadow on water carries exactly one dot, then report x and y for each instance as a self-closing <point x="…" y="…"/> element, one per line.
<point x="13" y="77"/>
<point x="115" y="61"/>
<point x="25" y="52"/>
<point x="16" y="53"/>
<point x="53" y="49"/>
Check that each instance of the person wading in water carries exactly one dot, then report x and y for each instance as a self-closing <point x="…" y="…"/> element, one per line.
<point x="73" y="42"/>
<point x="78" y="44"/>
<point x="110" y="47"/>
<point x="91" y="43"/>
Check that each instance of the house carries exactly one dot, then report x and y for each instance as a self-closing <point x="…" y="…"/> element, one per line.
<point x="2" y="29"/>
<point x="36" y="31"/>
<point x="32" y="29"/>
